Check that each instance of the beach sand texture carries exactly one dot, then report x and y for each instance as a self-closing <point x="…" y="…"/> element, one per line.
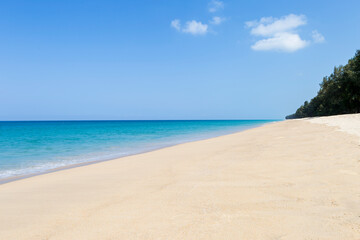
<point x="296" y="179"/>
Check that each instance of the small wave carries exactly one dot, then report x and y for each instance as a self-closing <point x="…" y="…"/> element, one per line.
<point x="105" y="150"/>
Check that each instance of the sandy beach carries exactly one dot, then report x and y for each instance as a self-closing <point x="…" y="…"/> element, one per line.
<point x="295" y="179"/>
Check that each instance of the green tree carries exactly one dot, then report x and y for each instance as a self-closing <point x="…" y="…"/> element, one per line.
<point x="339" y="93"/>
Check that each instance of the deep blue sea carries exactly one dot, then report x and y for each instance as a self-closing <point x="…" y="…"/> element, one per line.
<point x="32" y="147"/>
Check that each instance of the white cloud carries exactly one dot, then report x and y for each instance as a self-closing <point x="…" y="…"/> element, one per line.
<point x="217" y="20"/>
<point x="215" y="6"/>
<point x="270" y="26"/>
<point x="176" y="24"/>
<point x="280" y="34"/>
<point x="195" y="28"/>
<point x="287" y="42"/>
<point x="191" y="27"/>
<point x="317" y="37"/>
<point x="198" y="28"/>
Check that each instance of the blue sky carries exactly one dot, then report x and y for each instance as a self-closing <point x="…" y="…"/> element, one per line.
<point x="169" y="59"/>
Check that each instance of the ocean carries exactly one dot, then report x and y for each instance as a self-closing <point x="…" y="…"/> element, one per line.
<point x="34" y="147"/>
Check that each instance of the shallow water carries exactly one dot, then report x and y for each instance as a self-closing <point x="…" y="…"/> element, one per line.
<point x="32" y="147"/>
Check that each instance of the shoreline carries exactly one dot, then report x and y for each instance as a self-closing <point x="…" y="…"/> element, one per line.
<point x="76" y="165"/>
<point x="291" y="179"/>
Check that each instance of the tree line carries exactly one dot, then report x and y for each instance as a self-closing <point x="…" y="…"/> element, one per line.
<point x="339" y="93"/>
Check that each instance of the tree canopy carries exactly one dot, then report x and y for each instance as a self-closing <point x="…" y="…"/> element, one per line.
<point x="339" y="93"/>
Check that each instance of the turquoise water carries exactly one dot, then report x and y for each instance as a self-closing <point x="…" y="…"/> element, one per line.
<point x="37" y="146"/>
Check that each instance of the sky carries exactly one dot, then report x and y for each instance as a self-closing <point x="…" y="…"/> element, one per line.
<point x="204" y="59"/>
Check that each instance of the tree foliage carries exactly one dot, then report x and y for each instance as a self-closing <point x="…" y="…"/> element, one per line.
<point x="339" y="93"/>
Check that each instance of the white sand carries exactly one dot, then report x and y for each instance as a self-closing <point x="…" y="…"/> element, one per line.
<point x="287" y="180"/>
<point x="349" y="123"/>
